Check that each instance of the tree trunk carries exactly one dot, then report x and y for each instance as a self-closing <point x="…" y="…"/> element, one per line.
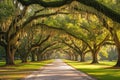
<point x="82" y="59"/>
<point x="117" y="43"/>
<point x="95" y="58"/>
<point x="10" y="55"/>
<point x="42" y="57"/>
<point x="33" y="57"/>
<point x="68" y="57"/>
<point x="24" y="58"/>
<point x="76" y="57"/>
<point x="38" y="57"/>
<point x="48" y="56"/>
<point x="45" y="56"/>
<point x="118" y="60"/>
<point x="72" y="57"/>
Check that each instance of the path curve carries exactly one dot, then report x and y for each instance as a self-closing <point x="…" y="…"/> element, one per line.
<point x="58" y="70"/>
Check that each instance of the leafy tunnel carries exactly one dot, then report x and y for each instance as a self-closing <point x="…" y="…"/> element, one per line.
<point x="71" y="29"/>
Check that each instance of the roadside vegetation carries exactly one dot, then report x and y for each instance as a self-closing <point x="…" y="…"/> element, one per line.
<point x="102" y="71"/>
<point x="20" y="70"/>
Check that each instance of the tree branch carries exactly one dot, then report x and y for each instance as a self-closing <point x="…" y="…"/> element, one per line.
<point x="102" y="42"/>
<point x="47" y="47"/>
<point x="70" y="46"/>
<point x="91" y="3"/>
<point x="57" y="3"/>
<point x="102" y="8"/>
<point x="39" y="44"/>
<point x="3" y="44"/>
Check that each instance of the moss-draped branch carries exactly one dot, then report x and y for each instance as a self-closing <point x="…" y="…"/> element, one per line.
<point x="43" y="3"/>
<point x="102" y="8"/>
<point x="91" y="3"/>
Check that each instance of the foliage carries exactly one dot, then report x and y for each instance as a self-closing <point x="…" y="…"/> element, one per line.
<point x="113" y="4"/>
<point x="6" y="9"/>
<point x="2" y="53"/>
<point x="112" y="54"/>
<point x="108" y="53"/>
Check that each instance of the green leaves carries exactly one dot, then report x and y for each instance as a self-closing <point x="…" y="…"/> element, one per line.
<point x="6" y="9"/>
<point x="113" y="4"/>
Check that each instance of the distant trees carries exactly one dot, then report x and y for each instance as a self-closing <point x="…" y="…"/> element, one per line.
<point x="108" y="53"/>
<point x="79" y="47"/>
<point x="112" y="54"/>
<point x="88" y="31"/>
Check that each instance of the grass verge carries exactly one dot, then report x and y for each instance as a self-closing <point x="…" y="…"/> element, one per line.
<point x="102" y="71"/>
<point x="20" y="70"/>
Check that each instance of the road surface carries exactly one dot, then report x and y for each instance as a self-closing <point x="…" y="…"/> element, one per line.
<point x="58" y="70"/>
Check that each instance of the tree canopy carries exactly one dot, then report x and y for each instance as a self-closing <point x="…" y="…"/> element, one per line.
<point x="34" y="27"/>
<point x="96" y="4"/>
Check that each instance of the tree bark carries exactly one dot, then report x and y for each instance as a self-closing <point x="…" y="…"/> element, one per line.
<point x="48" y="56"/>
<point x="39" y="57"/>
<point x="10" y="55"/>
<point x="95" y="58"/>
<point x="33" y="57"/>
<point x="117" y="43"/>
<point x="44" y="57"/>
<point x="68" y="57"/>
<point x="24" y="58"/>
<point x="76" y="57"/>
<point x="82" y="59"/>
<point x="73" y="57"/>
<point x="118" y="60"/>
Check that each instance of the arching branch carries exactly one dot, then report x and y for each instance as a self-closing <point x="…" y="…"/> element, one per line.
<point x="91" y="3"/>
<point x="57" y="3"/>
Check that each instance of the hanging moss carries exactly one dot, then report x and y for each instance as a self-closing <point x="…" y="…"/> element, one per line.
<point x="6" y="9"/>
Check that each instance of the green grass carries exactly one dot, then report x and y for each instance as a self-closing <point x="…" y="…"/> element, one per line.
<point x="2" y="63"/>
<point x="20" y="70"/>
<point x="102" y="71"/>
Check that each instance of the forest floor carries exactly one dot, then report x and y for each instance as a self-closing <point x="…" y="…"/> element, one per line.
<point x="58" y="70"/>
